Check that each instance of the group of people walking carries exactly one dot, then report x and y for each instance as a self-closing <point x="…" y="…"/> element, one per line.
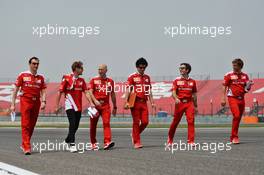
<point x="100" y="89"/>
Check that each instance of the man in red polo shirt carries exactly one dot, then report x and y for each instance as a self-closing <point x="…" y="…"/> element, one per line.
<point x="73" y="86"/>
<point x="184" y="93"/>
<point x="140" y="83"/>
<point x="101" y="88"/>
<point x="235" y="85"/>
<point x="33" y="97"/>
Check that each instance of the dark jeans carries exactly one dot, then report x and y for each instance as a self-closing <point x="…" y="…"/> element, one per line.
<point x="74" y="120"/>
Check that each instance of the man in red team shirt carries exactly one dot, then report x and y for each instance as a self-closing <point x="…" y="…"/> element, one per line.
<point x="184" y="93"/>
<point x="235" y="85"/>
<point x="139" y="83"/>
<point x="101" y="88"/>
<point x="32" y="99"/>
<point x="72" y="86"/>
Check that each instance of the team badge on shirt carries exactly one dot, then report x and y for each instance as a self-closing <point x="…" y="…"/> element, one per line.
<point x="244" y="77"/>
<point x="233" y="77"/>
<point x="97" y="81"/>
<point x="136" y="79"/>
<point x="38" y="81"/>
<point x="179" y="83"/>
<point x="26" y="78"/>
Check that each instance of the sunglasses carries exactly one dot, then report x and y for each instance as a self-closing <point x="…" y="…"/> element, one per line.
<point x="182" y="68"/>
<point x="35" y="63"/>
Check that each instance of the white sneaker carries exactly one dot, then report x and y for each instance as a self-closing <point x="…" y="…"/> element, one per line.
<point x="72" y="148"/>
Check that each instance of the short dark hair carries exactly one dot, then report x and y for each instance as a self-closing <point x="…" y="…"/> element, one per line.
<point x="76" y="64"/>
<point x="188" y="66"/>
<point x="33" y="58"/>
<point x="141" y="61"/>
<point x="239" y="62"/>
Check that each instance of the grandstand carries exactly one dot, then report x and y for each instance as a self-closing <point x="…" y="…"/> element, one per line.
<point x="209" y="95"/>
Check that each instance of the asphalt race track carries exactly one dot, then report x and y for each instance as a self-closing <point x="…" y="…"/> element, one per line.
<point x="245" y="158"/>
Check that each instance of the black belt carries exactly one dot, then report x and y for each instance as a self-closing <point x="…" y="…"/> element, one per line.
<point x="102" y="101"/>
<point x="237" y="97"/>
<point x="185" y="100"/>
<point x="31" y="98"/>
<point x="140" y="99"/>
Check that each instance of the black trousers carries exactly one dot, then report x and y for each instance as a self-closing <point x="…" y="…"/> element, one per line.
<point x="74" y="120"/>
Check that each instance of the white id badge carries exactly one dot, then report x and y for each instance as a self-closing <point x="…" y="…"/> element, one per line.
<point x="13" y="116"/>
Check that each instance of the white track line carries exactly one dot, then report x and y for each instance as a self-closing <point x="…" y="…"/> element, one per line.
<point x="14" y="170"/>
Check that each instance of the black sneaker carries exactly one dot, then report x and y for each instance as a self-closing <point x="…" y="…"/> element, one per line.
<point x="26" y="152"/>
<point x="109" y="145"/>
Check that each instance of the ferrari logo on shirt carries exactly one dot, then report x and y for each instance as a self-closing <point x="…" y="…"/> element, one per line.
<point x="147" y="80"/>
<point x="26" y="78"/>
<point x="136" y="79"/>
<point x="233" y="77"/>
<point x="190" y="83"/>
<point x="97" y="81"/>
<point x="38" y="81"/>
<point x="179" y="83"/>
<point x="244" y="77"/>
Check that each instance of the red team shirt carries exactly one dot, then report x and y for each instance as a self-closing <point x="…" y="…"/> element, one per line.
<point x="184" y="87"/>
<point x="30" y="84"/>
<point x="236" y="84"/>
<point x="102" y="87"/>
<point x="73" y="89"/>
<point x="141" y="84"/>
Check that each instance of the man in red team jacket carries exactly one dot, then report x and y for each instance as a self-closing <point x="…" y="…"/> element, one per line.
<point x="33" y="97"/>
<point x="101" y="88"/>
<point x="73" y="86"/>
<point x="184" y="93"/>
<point x="139" y="83"/>
<point x="235" y="85"/>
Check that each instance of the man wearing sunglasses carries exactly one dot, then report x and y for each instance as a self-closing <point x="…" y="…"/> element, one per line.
<point x="139" y="83"/>
<point x="73" y="86"/>
<point x="33" y="98"/>
<point x="184" y="93"/>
